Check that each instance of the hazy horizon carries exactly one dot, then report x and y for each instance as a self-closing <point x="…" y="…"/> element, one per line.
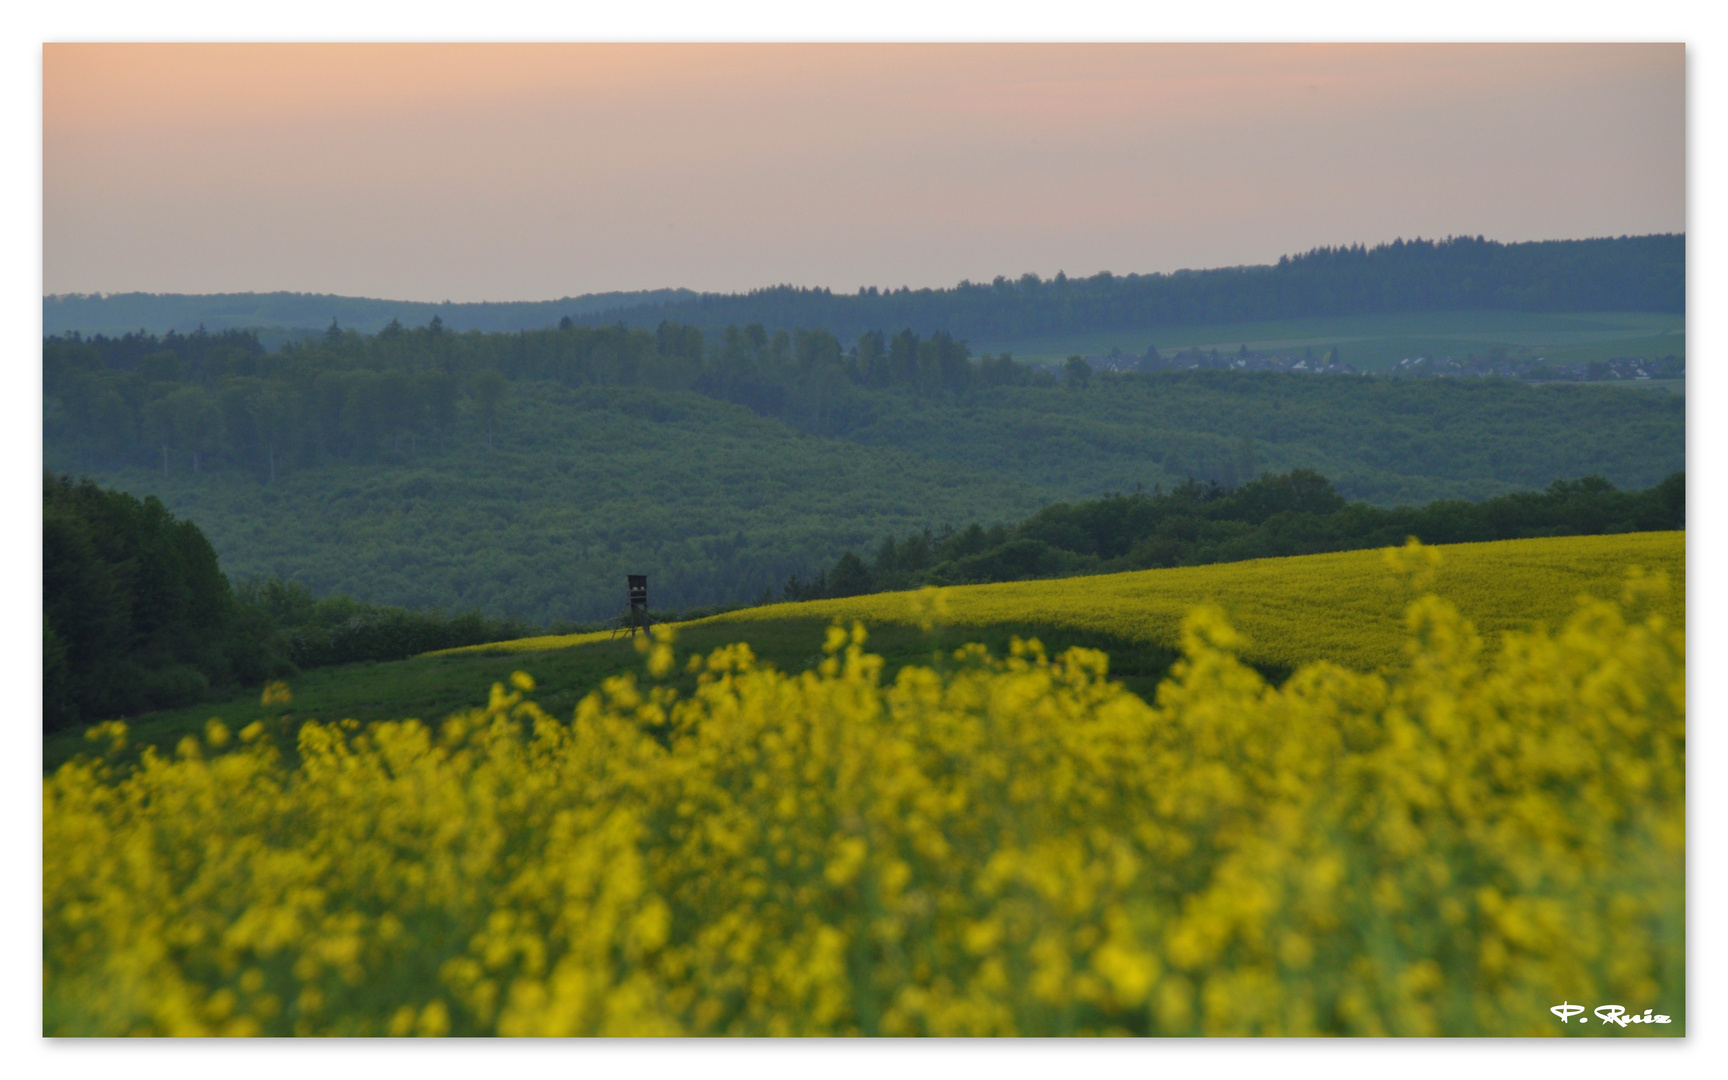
<point x="500" y="173"/>
<point x="756" y="288"/>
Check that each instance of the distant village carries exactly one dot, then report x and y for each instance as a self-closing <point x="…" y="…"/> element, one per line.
<point x="1497" y="364"/>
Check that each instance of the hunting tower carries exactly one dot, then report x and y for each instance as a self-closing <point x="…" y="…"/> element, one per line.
<point x="637" y="617"/>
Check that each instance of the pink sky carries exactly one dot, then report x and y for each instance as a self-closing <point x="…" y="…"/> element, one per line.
<point x="494" y="172"/>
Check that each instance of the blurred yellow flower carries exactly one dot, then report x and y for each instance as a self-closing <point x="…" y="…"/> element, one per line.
<point x="276" y="693"/>
<point x="999" y="845"/>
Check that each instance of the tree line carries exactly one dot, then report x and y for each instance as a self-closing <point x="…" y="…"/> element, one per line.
<point x="287" y="314"/>
<point x="1637" y="273"/>
<point x="1640" y="273"/>
<point x="1294" y="513"/>
<point x="198" y="401"/>
<point x="137" y="615"/>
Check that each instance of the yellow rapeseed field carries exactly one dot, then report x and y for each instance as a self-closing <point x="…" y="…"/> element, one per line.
<point x="990" y="845"/>
<point x="1337" y="607"/>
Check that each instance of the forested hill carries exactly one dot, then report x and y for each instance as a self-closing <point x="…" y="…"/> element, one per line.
<point x="160" y="313"/>
<point x="524" y="474"/>
<point x="1639" y="273"/>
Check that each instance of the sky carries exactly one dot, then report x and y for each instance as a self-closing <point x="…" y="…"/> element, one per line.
<point x="527" y="172"/>
<point x="230" y="184"/>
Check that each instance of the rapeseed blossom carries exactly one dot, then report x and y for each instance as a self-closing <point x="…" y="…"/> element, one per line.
<point x="989" y="845"/>
<point x="1293" y="610"/>
<point x="1296" y="609"/>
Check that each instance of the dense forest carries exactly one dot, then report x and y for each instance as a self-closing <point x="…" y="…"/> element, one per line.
<point x="199" y="401"/>
<point x="522" y="474"/>
<point x="1641" y="273"/>
<point x="202" y="399"/>
<point x="1295" y="513"/>
<point x="137" y="615"/>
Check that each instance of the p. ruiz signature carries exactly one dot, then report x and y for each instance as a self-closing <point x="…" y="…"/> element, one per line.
<point x="1608" y="1014"/>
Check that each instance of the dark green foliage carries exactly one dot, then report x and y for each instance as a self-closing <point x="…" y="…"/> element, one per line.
<point x="1386" y="441"/>
<point x="360" y="465"/>
<point x="136" y="614"/>
<point x="1296" y="513"/>
<point x="319" y="632"/>
<point x="850" y="577"/>
<point x="1638" y="273"/>
<point x="190" y="403"/>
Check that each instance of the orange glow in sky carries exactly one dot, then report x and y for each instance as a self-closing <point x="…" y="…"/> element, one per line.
<point x="470" y="172"/>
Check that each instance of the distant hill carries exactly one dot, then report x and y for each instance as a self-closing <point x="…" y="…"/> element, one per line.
<point x="1637" y="273"/>
<point x="1624" y="274"/>
<point x="158" y="313"/>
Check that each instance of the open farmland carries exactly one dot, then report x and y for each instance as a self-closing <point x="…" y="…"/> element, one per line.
<point x="1342" y="607"/>
<point x="988" y="845"/>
